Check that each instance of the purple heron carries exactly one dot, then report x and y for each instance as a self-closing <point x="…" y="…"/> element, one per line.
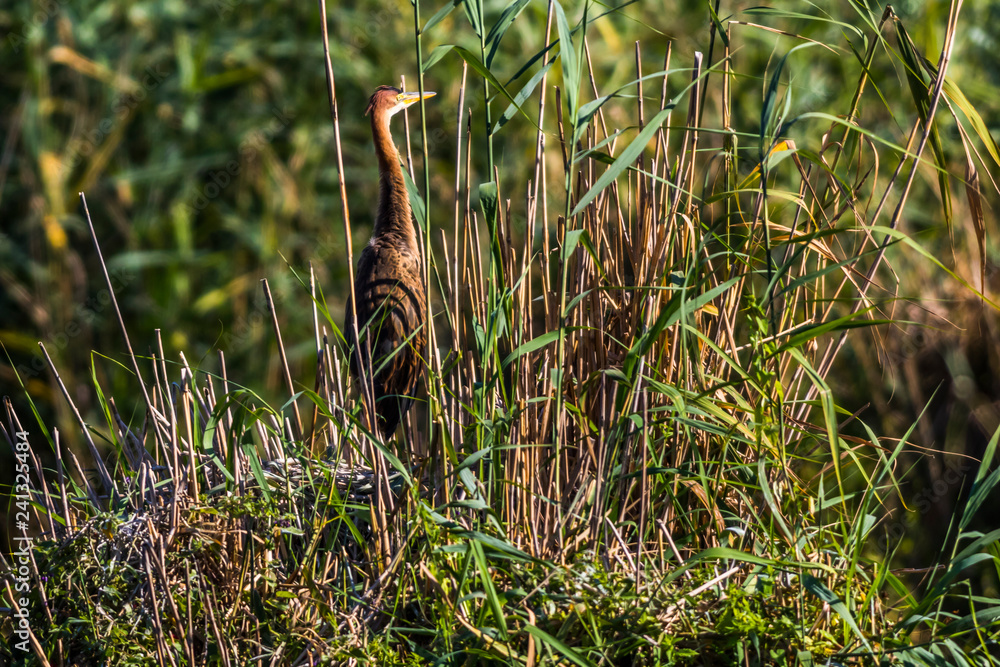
<point x="389" y="287"/>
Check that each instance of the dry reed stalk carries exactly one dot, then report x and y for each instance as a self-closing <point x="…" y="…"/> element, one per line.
<point x="283" y="359"/>
<point x="106" y="481"/>
<point x="367" y="390"/>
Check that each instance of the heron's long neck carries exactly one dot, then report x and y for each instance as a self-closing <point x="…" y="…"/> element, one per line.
<point x="393" y="216"/>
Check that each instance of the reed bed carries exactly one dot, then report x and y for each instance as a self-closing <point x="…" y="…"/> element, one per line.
<point x="627" y="451"/>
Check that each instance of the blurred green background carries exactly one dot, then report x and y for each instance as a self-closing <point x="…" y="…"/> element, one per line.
<point x="201" y="135"/>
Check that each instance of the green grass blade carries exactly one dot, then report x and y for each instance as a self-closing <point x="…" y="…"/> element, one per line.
<point x="558" y="646"/>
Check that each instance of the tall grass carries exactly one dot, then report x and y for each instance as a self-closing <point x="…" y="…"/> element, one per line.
<point x="628" y="450"/>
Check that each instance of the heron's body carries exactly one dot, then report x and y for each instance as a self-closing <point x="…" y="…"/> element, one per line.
<point x="389" y="288"/>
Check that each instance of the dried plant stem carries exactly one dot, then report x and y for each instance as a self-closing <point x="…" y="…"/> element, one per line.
<point x="834" y="347"/>
<point x="299" y="431"/>
<point x="367" y="390"/>
<point x="106" y="481"/>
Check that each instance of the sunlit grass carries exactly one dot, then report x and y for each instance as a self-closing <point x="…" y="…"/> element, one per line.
<point x="628" y="450"/>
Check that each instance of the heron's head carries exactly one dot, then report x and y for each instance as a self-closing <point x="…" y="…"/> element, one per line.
<point x="390" y="101"/>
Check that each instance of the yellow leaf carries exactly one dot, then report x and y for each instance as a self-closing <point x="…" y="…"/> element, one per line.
<point x="67" y="56"/>
<point x="54" y="232"/>
<point x="53" y="177"/>
<point x="780" y="147"/>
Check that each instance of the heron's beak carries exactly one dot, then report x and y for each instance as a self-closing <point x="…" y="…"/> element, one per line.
<point x="408" y="99"/>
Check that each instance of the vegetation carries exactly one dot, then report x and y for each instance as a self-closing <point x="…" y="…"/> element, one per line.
<point x="643" y="269"/>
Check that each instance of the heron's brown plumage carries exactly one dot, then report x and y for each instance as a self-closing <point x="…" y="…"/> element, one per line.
<point x="388" y="286"/>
